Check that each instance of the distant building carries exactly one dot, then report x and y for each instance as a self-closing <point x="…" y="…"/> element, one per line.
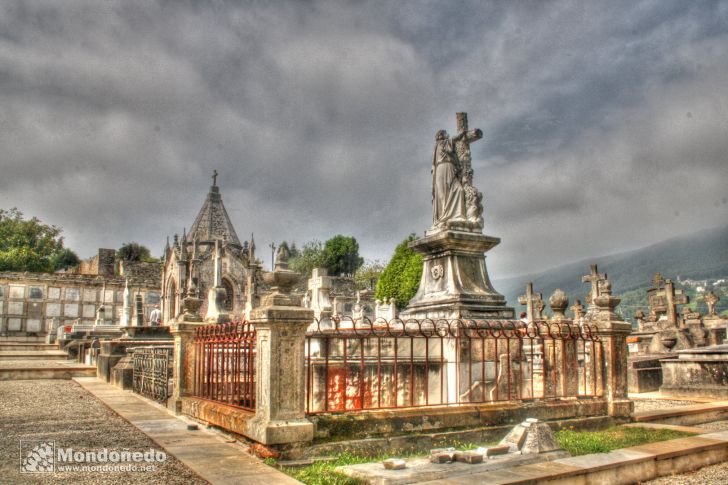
<point x="189" y="262"/>
<point x="30" y="303"/>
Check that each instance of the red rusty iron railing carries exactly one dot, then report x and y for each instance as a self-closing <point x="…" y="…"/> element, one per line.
<point x="363" y="364"/>
<point x="225" y="364"/>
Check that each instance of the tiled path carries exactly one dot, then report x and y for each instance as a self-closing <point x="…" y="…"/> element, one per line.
<point x="205" y="452"/>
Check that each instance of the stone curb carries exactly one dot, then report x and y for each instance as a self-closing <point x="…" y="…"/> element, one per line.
<point x="624" y="466"/>
<point x="707" y="407"/>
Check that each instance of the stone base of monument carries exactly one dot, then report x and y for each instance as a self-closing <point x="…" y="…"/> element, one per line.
<point x="529" y="442"/>
<point x="112" y="351"/>
<point x="122" y="374"/>
<point x="455" y="282"/>
<point x="644" y="372"/>
<point x="716" y="327"/>
<point x="639" y="342"/>
<point x="699" y="372"/>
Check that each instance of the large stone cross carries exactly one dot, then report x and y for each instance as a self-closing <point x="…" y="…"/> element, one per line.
<point x="534" y="303"/>
<point x="658" y="281"/>
<point x="214" y="178"/>
<point x="320" y="286"/>
<point x="595" y="278"/>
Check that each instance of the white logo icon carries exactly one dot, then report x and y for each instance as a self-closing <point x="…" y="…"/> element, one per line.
<point x="39" y="458"/>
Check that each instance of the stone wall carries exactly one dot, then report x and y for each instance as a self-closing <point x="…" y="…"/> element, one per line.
<point x="29" y="302"/>
<point x="141" y="273"/>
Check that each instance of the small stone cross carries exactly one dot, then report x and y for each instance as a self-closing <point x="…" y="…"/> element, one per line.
<point x="534" y="303"/>
<point x="214" y="178"/>
<point x="578" y="310"/>
<point x="595" y="278"/>
<point x="320" y="287"/>
<point x="658" y="280"/>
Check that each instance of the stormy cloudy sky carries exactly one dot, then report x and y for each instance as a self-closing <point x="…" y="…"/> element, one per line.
<point x="605" y="122"/>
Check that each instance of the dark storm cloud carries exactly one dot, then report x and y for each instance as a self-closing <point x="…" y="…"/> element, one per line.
<point x="601" y="120"/>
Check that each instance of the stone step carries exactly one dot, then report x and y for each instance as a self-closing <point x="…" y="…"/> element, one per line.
<point x="61" y="371"/>
<point x="26" y="339"/>
<point x="33" y="355"/>
<point x="4" y="346"/>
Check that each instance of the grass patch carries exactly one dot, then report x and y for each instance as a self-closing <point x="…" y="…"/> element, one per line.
<point x="587" y="442"/>
<point x="575" y="442"/>
<point x="323" y="472"/>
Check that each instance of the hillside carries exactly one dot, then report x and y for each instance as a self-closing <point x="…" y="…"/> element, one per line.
<point x="699" y="256"/>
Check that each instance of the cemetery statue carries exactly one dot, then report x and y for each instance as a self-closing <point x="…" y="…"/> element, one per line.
<point x="710" y="300"/>
<point x="282" y="256"/>
<point x="448" y="196"/>
<point x="456" y="203"/>
<point x="473" y="200"/>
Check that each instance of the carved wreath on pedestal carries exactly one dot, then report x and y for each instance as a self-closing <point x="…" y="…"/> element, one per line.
<point x="437" y="271"/>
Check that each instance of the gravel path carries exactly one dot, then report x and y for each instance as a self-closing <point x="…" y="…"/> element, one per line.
<point x="714" y="426"/>
<point x="657" y="404"/>
<point x="710" y="475"/>
<point x="61" y="410"/>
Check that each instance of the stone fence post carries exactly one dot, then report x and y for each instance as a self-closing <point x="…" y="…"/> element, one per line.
<point x="613" y="332"/>
<point x="183" y="330"/>
<point x="280" y="387"/>
<point x="614" y="343"/>
<point x="280" y="414"/>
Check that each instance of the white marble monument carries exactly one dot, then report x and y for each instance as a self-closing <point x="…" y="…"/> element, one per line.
<point x="455" y="282"/>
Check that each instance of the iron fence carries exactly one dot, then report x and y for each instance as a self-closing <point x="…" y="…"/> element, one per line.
<point x="152" y="372"/>
<point x="225" y="364"/>
<point x="358" y="365"/>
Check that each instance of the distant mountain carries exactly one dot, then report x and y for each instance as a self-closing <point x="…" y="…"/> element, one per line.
<point x="699" y="256"/>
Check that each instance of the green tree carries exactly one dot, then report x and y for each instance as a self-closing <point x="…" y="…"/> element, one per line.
<point x="341" y="255"/>
<point x="64" y="259"/>
<point x="368" y="273"/>
<point x="30" y="245"/>
<point x="310" y="256"/>
<point x="293" y="249"/>
<point x="401" y="278"/>
<point x="134" y="252"/>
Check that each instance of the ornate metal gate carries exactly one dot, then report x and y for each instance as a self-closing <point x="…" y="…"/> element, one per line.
<point x="152" y="371"/>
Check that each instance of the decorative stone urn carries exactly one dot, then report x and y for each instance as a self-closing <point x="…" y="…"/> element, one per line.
<point x="281" y="280"/>
<point x="191" y="305"/>
<point x="558" y="302"/>
<point x="669" y="339"/>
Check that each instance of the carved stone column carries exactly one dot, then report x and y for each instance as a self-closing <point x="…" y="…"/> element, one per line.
<point x="613" y="333"/>
<point x="280" y="415"/>
<point x="280" y="325"/>
<point x="183" y="331"/>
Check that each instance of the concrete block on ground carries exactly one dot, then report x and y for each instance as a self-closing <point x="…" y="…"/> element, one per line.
<point x="394" y="464"/>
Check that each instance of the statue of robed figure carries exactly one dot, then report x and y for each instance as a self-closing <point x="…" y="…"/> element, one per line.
<point x="455" y="202"/>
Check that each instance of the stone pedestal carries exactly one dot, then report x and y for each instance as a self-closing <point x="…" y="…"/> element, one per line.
<point x="183" y="333"/>
<point x="109" y="356"/>
<point x="716" y="327"/>
<point x="455" y="282"/>
<point x="280" y="375"/>
<point x="122" y="374"/>
<point x="614" y="347"/>
<point x="701" y="372"/>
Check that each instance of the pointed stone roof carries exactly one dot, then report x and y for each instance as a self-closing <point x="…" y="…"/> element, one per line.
<point x="213" y="222"/>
